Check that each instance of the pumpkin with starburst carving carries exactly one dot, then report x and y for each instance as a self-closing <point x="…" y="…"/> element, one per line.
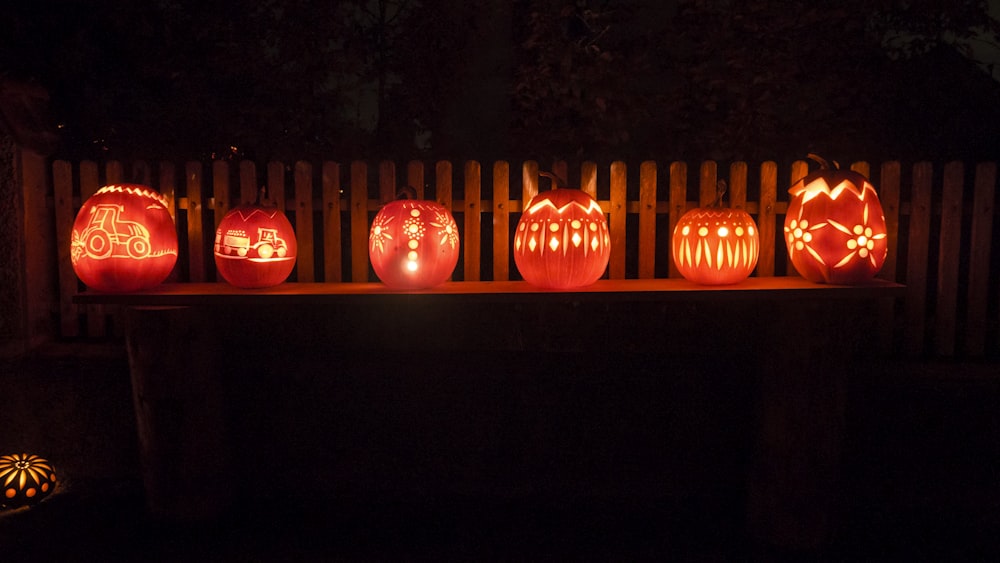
<point x="25" y="479"/>
<point x="413" y="243"/>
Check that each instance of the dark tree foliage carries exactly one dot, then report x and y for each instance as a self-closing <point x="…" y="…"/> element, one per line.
<point x="544" y="79"/>
<point x="752" y="79"/>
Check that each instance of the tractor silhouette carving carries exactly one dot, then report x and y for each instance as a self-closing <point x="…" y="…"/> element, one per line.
<point x="107" y="235"/>
<point x="268" y="246"/>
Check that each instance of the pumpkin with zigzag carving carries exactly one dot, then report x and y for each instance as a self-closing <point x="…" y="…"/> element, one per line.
<point x="562" y="240"/>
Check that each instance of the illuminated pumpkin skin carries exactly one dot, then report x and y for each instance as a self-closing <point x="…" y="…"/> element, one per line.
<point x="25" y="479"/>
<point x="123" y="239"/>
<point x="835" y="229"/>
<point x="562" y="240"/>
<point x="413" y="244"/>
<point x="715" y="245"/>
<point x="255" y="246"/>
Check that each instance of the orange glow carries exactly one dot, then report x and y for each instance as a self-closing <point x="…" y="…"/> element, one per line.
<point x="833" y="237"/>
<point x="576" y="248"/>
<point x="715" y="246"/>
<point x="255" y="246"/>
<point x="123" y="239"/>
<point x="26" y="479"/>
<point x="413" y="244"/>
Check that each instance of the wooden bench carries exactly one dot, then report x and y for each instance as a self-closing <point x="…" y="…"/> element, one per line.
<point x="499" y="388"/>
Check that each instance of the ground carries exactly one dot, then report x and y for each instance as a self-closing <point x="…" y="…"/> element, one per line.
<point x="921" y="482"/>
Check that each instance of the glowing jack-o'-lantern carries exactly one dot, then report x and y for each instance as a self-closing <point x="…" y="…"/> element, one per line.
<point x="715" y="245"/>
<point x="123" y="239"/>
<point x="255" y="246"/>
<point x="413" y="243"/>
<point x="834" y="229"/>
<point x="562" y="240"/>
<point x="25" y="479"/>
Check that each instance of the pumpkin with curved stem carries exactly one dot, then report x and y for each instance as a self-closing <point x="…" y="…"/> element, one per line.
<point x="835" y="229"/>
<point x="124" y="239"/>
<point x="413" y="244"/>
<point x="562" y="239"/>
<point x="255" y="245"/>
<point x="715" y="245"/>
<point x="25" y="479"/>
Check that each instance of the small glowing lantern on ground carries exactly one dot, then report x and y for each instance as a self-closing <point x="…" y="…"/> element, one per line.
<point x="715" y="245"/>
<point x="834" y="228"/>
<point x="123" y="239"/>
<point x="255" y="245"/>
<point x="562" y="240"/>
<point x="413" y="244"/>
<point x="25" y="479"/>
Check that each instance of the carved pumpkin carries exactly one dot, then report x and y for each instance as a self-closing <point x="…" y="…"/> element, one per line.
<point x="123" y="239"/>
<point x="562" y="239"/>
<point x="255" y="246"/>
<point x="413" y="244"/>
<point x="25" y="479"/>
<point x="834" y="228"/>
<point x="715" y="245"/>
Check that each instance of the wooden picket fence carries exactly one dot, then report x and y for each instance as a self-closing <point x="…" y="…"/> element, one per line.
<point x="940" y="222"/>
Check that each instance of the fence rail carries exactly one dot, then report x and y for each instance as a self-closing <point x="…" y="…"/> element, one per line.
<point x="940" y="223"/>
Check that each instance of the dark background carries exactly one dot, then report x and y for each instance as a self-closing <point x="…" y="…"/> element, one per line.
<point x="540" y="79"/>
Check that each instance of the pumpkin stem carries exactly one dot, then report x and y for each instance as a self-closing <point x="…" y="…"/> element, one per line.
<point x="261" y="195"/>
<point x="407" y="192"/>
<point x="823" y="164"/>
<point x="720" y="190"/>
<point x="557" y="182"/>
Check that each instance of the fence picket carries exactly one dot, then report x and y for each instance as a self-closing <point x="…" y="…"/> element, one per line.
<point x="529" y="183"/>
<point x="647" y="220"/>
<point x="89" y="184"/>
<point x="588" y="178"/>
<point x="472" y="220"/>
<point x="114" y="173"/>
<point x="359" y="222"/>
<point x="888" y="189"/>
<point x="387" y="187"/>
<point x="332" y="255"/>
<point x="305" y="268"/>
<point x="737" y="193"/>
<point x="945" y="318"/>
<point x="766" y="217"/>
<point x="141" y="173"/>
<point x="249" y="189"/>
<point x="677" y="204"/>
<point x="62" y="184"/>
<point x="220" y="200"/>
<point x="167" y="186"/>
<point x="916" y="260"/>
<point x="708" y="178"/>
<point x="616" y="222"/>
<point x="501" y="221"/>
<point x="983" y="200"/>
<point x="220" y="191"/>
<point x="415" y="177"/>
<point x="888" y="193"/>
<point x="195" y="210"/>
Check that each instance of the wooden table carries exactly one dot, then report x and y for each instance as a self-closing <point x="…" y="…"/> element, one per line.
<point x="198" y="350"/>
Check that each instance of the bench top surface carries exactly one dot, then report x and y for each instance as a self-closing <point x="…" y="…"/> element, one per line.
<point x="221" y="293"/>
